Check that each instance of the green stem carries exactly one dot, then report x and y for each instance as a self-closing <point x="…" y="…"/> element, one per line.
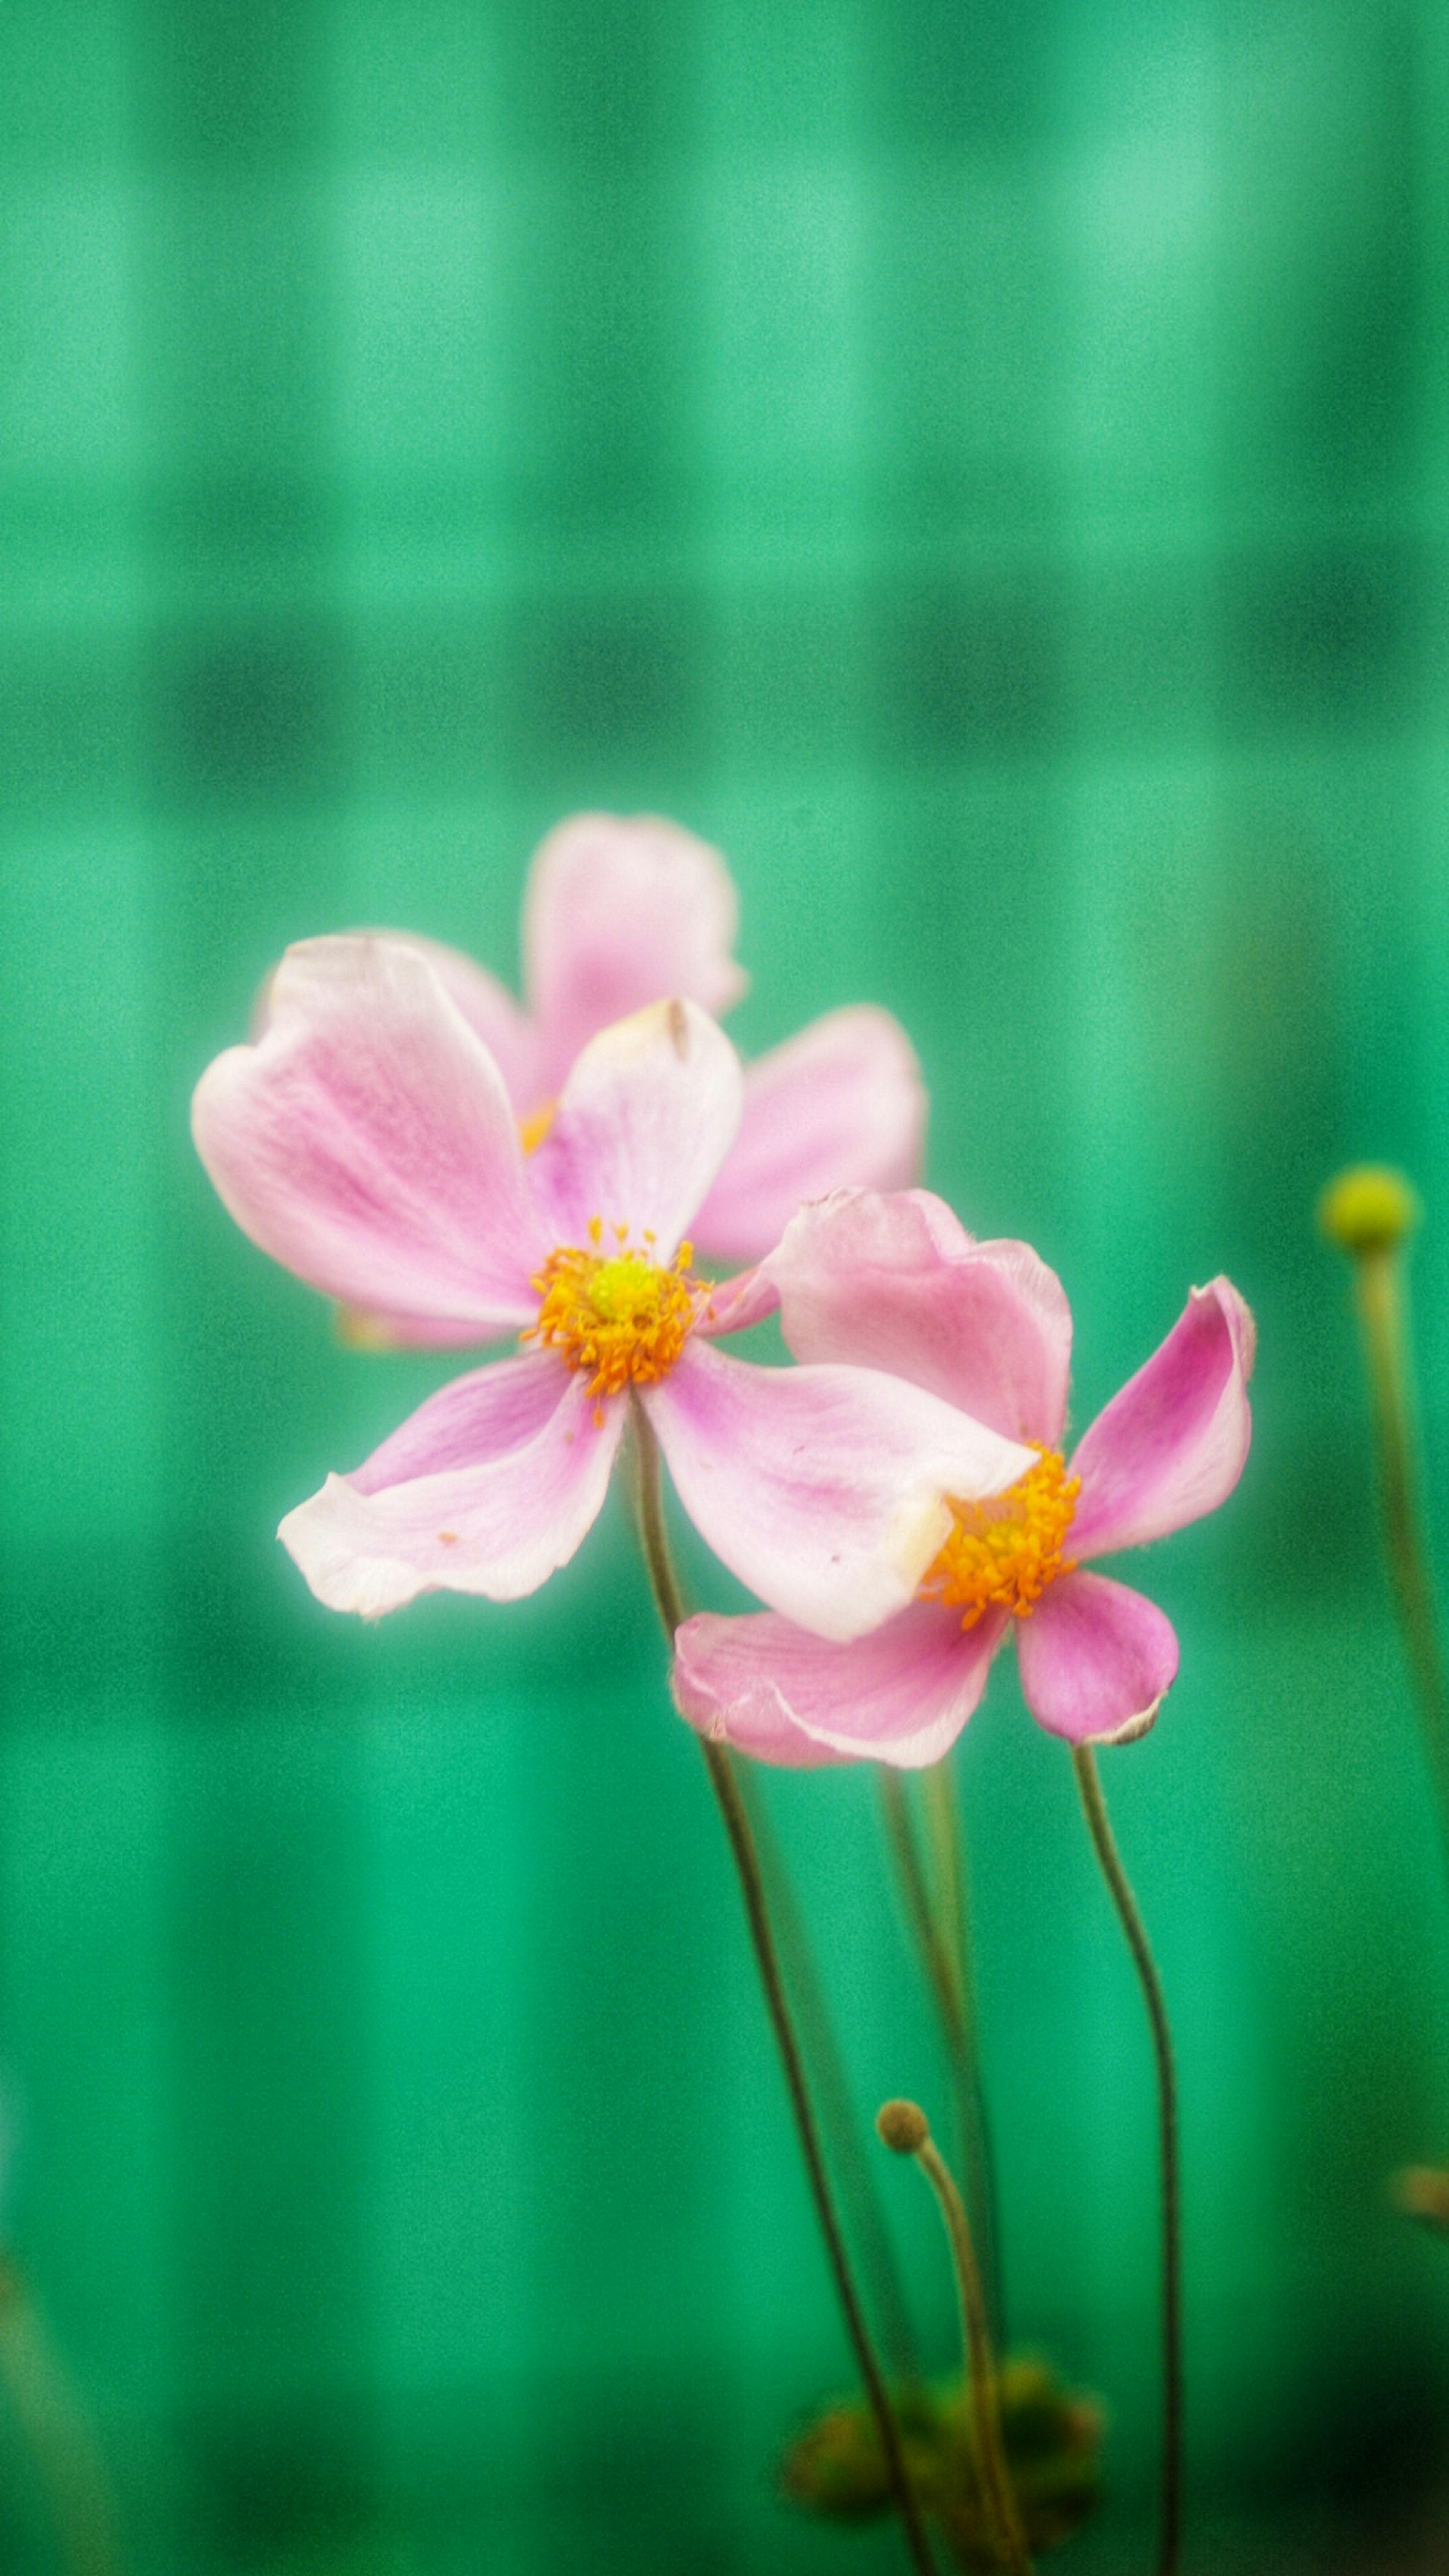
<point x="981" y="2362"/>
<point x="937" y="1910"/>
<point x="670" y="1604"/>
<point x="826" y="2071"/>
<point x="1378" y="1280"/>
<point x="1095" y="1810"/>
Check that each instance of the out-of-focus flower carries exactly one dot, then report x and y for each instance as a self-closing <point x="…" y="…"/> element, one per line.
<point x="896" y="1283"/>
<point x="1053" y="2440"/>
<point x="367" y="1141"/>
<point x="622" y="912"/>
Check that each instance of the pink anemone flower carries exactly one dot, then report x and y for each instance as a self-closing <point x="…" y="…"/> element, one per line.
<point x="367" y="1141"/>
<point x="896" y="1283"/>
<point x="620" y="913"/>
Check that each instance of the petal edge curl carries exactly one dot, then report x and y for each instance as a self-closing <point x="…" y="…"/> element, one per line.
<point x="900" y="1695"/>
<point x="1096" y="1660"/>
<point x="366" y="1141"/>
<point x="488" y="1488"/>
<point x="1174" y="1440"/>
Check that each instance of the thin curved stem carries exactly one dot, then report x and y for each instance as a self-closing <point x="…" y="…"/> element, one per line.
<point x="826" y="2072"/>
<point x="1094" y="1809"/>
<point x="936" y="1908"/>
<point x="1379" y="1291"/>
<point x="980" y="2359"/>
<point x="670" y="1605"/>
<point x="943" y="1812"/>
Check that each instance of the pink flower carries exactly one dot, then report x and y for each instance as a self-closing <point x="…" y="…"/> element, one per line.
<point x="896" y="1283"/>
<point x="618" y="914"/>
<point x="368" y="1142"/>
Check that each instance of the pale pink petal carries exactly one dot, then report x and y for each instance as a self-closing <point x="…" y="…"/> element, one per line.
<point x="367" y="1142"/>
<point x="491" y="1012"/>
<point x="621" y="912"/>
<point x="896" y="1283"/>
<point x="1095" y="1660"/>
<point x="644" y="1121"/>
<point x="901" y="1695"/>
<point x="821" y="1488"/>
<point x="488" y="1488"/>
<point x="734" y="1304"/>
<point x="1172" y="1444"/>
<point x="841" y="1104"/>
<point x="488" y="1007"/>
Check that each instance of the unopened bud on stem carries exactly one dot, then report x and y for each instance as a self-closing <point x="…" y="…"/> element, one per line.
<point x="903" y="2127"/>
<point x="1369" y="1208"/>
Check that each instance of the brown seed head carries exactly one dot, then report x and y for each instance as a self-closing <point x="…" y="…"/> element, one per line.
<point x="903" y="2127"/>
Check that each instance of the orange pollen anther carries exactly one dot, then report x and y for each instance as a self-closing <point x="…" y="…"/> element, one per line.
<point x="619" y="1315"/>
<point x="1003" y="1553"/>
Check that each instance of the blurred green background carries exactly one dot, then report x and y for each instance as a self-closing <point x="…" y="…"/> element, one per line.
<point x="985" y="466"/>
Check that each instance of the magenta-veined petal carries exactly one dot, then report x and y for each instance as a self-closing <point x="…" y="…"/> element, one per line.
<point x="1173" y="1443"/>
<point x="821" y="1488"/>
<point x="367" y="1141"/>
<point x="897" y="1283"/>
<point x="1095" y="1659"/>
<point x="488" y="1488"/>
<point x="621" y="912"/>
<point x="901" y="1695"/>
<point x="644" y="1122"/>
<point x="840" y="1104"/>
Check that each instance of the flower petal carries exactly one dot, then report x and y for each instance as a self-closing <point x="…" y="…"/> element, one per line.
<point x="1095" y="1660"/>
<point x="368" y="1143"/>
<point x="901" y="1695"/>
<point x="491" y="1013"/>
<point x="644" y="1122"/>
<point x="734" y="1304"/>
<point x="840" y="1104"/>
<point x="487" y="1488"/>
<point x="821" y="1488"/>
<point x="898" y="1284"/>
<point x="1173" y="1443"/>
<point x="620" y="913"/>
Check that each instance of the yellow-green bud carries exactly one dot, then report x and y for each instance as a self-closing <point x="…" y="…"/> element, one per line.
<point x="1369" y="1208"/>
<point x="902" y="2126"/>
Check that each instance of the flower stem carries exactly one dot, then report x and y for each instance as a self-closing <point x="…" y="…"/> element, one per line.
<point x="903" y="2126"/>
<point x="936" y="1908"/>
<point x="826" y="2073"/>
<point x="670" y="1605"/>
<point x="1095" y="1810"/>
<point x="1378" y="1285"/>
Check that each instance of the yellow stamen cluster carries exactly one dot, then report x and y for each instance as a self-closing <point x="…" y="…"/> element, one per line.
<point x="619" y="1315"/>
<point x="1003" y="1553"/>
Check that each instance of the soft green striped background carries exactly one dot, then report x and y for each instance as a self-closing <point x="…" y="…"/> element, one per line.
<point x="985" y="466"/>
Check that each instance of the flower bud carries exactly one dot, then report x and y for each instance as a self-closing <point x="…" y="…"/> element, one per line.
<point x="903" y="2127"/>
<point x="1369" y="1208"/>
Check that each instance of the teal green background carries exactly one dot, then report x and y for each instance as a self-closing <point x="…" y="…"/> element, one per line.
<point x="986" y="468"/>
